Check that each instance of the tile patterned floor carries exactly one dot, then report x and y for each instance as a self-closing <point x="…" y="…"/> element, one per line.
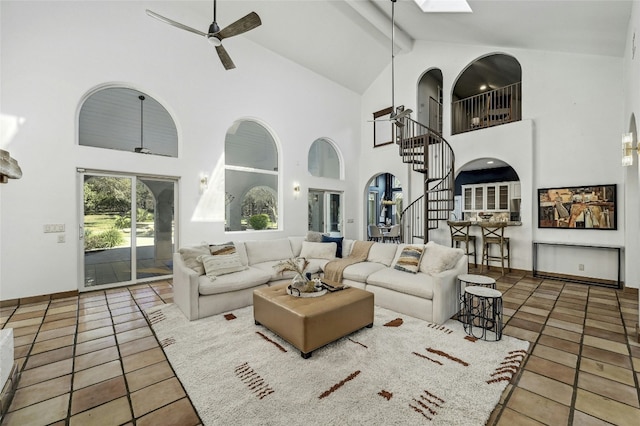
<point x="93" y="360"/>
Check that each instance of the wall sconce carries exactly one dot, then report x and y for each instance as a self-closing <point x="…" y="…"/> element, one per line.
<point x="204" y="184"/>
<point x="627" y="149"/>
<point x="296" y="190"/>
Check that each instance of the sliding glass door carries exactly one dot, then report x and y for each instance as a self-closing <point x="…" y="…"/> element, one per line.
<point x="127" y="232"/>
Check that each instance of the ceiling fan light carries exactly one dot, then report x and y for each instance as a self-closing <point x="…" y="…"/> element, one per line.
<point x="444" y="6"/>
<point x="215" y="41"/>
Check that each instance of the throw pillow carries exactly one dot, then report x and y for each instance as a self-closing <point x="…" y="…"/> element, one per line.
<point x="409" y="260"/>
<point x="337" y="240"/>
<point x="314" y="237"/>
<point x="190" y="257"/>
<point x="438" y="258"/>
<point x="222" y="249"/>
<point x="221" y="264"/>
<point x="312" y="250"/>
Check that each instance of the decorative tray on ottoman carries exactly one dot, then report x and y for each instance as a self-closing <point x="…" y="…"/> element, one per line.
<point x="297" y="293"/>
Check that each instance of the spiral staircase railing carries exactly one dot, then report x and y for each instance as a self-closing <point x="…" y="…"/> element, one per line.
<point x="431" y="155"/>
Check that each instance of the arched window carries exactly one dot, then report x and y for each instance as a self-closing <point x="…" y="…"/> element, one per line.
<point x="251" y="177"/>
<point x="127" y="120"/>
<point x="323" y="160"/>
<point x="487" y="93"/>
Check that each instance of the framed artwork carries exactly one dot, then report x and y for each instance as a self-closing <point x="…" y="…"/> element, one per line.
<point x="578" y="207"/>
<point x="382" y="127"/>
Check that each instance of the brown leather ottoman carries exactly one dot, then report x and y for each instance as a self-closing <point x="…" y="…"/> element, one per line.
<point x="310" y="323"/>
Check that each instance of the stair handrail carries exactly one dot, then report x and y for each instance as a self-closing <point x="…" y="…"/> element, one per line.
<point x="416" y="143"/>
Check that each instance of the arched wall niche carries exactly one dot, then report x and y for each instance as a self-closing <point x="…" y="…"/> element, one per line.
<point x="487" y="185"/>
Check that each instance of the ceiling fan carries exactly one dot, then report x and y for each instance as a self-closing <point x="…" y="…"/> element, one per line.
<point x="141" y="149"/>
<point x="215" y="35"/>
<point x="396" y="114"/>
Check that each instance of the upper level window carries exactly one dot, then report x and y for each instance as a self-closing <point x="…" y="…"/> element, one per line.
<point x="323" y="160"/>
<point x="127" y="120"/>
<point x="487" y="93"/>
<point x="251" y="177"/>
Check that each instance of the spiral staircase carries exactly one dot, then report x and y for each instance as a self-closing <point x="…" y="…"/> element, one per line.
<point x="431" y="155"/>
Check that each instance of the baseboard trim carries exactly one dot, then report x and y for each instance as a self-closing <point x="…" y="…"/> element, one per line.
<point x="38" y="299"/>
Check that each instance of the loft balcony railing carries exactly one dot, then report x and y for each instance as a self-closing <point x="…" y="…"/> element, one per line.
<point x="487" y="109"/>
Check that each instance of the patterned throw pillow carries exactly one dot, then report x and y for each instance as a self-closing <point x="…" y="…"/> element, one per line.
<point x="221" y="264"/>
<point x="409" y="260"/>
<point x="222" y="249"/>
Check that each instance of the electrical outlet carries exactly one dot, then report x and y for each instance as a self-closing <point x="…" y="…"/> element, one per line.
<point x="580" y="267"/>
<point x="61" y="238"/>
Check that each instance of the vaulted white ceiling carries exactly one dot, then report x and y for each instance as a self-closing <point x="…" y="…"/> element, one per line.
<point x="348" y="41"/>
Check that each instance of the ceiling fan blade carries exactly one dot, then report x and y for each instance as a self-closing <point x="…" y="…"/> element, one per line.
<point x="225" y="58"/>
<point x="402" y="114"/>
<point x="242" y="25"/>
<point x="174" y="23"/>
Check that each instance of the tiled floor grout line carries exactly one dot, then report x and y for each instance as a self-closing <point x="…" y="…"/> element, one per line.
<point x="574" y="395"/>
<point x="73" y="359"/>
<point x="522" y="366"/>
<point x="148" y="324"/>
<point x="636" y="377"/>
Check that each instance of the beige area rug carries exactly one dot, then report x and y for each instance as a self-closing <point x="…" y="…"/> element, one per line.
<point x="402" y="371"/>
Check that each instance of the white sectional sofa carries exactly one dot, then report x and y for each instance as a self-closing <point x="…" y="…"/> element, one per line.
<point x="429" y="294"/>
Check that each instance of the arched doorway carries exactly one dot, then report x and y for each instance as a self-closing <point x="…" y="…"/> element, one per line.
<point x="384" y="200"/>
<point x="430" y="100"/>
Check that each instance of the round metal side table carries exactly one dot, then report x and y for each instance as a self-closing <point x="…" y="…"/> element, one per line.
<point x="465" y="280"/>
<point x="482" y="317"/>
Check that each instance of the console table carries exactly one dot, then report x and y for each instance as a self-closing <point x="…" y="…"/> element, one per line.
<point x="536" y="273"/>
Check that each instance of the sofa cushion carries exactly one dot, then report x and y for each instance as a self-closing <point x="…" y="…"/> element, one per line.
<point x="250" y="277"/>
<point x="409" y="259"/>
<point x="347" y="246"/>
<point x="190" y="257"/>
<point x="264" y="251"/>
<point x="438" y="258"/>
<point x="242" y="252"/>
<point x="382" y="253"/>
<point x="296" y="245"/>
<point x="337" y="240"/>
<point x="312" y="250"/>
<point x="420" y="284"/>
<point x="360" y="271"/>
<point x="215" y="266"/>
<point x="269" y="267"/>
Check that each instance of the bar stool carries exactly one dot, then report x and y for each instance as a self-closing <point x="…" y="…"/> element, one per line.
<point x="493" y="233"/>
<point x="460" y="234"/>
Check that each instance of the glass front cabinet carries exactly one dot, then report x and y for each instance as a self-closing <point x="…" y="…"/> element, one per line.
<point x="486" y="197"/>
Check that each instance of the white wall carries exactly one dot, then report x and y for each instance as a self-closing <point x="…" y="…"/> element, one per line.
<point x="631" y="96"/>
<point x="568" y="135"/>
<point x="54" y="53"/>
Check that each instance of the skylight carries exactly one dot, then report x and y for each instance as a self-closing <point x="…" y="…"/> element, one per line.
<point x="444" y="6"/>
